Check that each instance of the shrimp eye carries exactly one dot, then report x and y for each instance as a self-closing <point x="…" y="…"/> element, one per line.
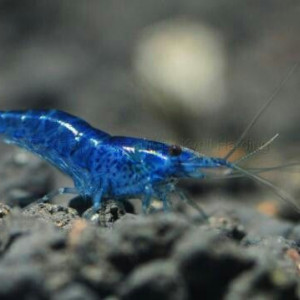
<point x="175" y="150"/>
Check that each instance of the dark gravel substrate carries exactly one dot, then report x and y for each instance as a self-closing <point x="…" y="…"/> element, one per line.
<point x="49" y="252"/>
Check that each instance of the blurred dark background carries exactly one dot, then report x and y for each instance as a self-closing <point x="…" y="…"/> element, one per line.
<point x="191" y="71"/>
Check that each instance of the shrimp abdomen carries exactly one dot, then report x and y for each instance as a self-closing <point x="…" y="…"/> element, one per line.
<point x="54" y="135"/>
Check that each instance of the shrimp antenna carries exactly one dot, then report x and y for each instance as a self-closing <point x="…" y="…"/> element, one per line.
<point x="262" y="147"/>
<point x="237" y="174"/>
<point x="279" y="192"/>
<point x="267" y="169"/>
<point x="192" y="203"/>
<point x="261" y="110"/>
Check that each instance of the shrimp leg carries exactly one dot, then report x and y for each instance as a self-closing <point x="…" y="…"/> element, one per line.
<point x="97" y="199"/>
<point x="165" y="200"/>
<point x="60" y="191"/>
<point x="163" y="194"/>
<point x="146" y="201"/>
<point x="192" y="203"/>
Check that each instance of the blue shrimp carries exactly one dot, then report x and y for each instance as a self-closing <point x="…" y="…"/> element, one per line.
<point x="104" y="166"/>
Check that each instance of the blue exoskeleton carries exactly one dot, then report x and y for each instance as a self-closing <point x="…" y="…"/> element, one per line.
<point x="104" y="166"/>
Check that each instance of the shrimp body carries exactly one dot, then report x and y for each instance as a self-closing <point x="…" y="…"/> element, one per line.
<point x="103" y="166"/>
